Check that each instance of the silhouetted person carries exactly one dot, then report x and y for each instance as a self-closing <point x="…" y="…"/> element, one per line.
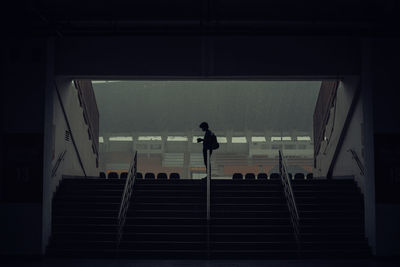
<point x="209" y="142"/>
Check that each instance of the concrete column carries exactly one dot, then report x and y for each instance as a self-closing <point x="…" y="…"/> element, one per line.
<point x="48" y="147"/>
<point x="368" y="133"/>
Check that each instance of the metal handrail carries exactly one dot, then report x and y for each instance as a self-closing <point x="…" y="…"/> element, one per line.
<point x="58" y="162"/>
<point x="208" y="185"/>
<point x="208" y="201"/>
<point x="358" y="161"/>
<point x="126" y="196"/>
<point x="290" y="200"/>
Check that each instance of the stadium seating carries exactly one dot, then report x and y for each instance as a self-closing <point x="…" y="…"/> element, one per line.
<point x="237" y="176"/>
<point x="149" y="176"/>
<point x="162" y="176"/>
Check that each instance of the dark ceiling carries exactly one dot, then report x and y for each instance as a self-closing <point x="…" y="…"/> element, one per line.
<point x="72" y="17"/>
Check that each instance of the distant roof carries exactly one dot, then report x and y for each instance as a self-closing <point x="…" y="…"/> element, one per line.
<point x="179" y="106"/>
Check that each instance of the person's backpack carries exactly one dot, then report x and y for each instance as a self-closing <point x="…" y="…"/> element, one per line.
<point x="214" y="142"/>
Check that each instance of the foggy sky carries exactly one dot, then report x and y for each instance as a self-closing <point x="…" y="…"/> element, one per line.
<point x="154" y="106"/>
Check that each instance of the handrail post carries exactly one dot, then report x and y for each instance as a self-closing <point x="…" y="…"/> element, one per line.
<point x="208" y="184"/>
<point x="360" y="165"/>
<point x="290" y="200"/>
<point x="208" y="202"/>
<point x="126" y="196"/>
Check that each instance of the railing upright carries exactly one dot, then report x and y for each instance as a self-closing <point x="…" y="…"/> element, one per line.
<point x="126" y="196"/>
<point x="208" y="186"/>
<point x="58" y="163"/>
<point x="290" y="200"/>
<point x="358" y="161"/>
<point x="208" y="201"/>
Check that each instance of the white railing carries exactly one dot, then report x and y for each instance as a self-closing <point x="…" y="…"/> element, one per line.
<point x="290" y="200"/>
<point x="58" y="163"/>
<point x="360" y="165"/>
<point x="126" y="196"/>
<point x="208" y="186"/>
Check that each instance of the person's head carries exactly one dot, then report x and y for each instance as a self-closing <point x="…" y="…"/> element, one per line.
<point x="204" y="126"/>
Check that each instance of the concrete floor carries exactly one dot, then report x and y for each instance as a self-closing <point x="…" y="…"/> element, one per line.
<point x="196" y="263"/>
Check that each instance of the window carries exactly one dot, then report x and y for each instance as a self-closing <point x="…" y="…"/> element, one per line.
<point x="177" y="138"/>
<point x="222" y="139"/>
<point x="149" y="138"/>
<point x="101" y="139"/>
<point x="279" y="138"/>
<point x="121" y="138"/>
<point x="258" y="139"/>
<point x="239" y="140"/>
<point x="303" y="138"/>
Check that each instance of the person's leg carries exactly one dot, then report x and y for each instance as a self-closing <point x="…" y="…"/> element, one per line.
<point x="210" y="161"/>
<point x="205" y="157"/>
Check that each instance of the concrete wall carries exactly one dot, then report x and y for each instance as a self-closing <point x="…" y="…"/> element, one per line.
<point x="336" y="124"/>
<point x="354" y="138"/>
<point x="345" y="164"/>
<point x="385" y="57"/>
<point x="79" y="128"/>
<point x="22" y="144"/>
<point x="56" y="127"/>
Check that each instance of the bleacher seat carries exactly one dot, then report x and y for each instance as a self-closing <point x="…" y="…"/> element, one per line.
<point x="149" y="176"/>
<point x="139" y="175"/>
<point x="262" y="176"/>
<point x="250" y="176"/>
<point x="102" y="175"/>
<point x="310" y="176"/>
<point x="124" y="175"/>
<point x="162" y="176"/>
<point x="274" y="176"/>
<point x="237" y="176"/>
<point x="113" y="175"/>
<point x="174" y="176"/>
<point x="299" y="176"/>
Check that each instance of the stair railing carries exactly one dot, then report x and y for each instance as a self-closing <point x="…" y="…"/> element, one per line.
<point x="358" y="161"/>
<point x="208" y="185"/>
<point x="208" y="201"/>
<point x="126" y="197"/>
<point x="58" y="163"/>
<point x="290" y="200"/>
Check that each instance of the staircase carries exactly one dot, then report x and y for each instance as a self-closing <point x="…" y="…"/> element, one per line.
<point x="166" y="219"/>
<point x="85" y="217"/>
<point x="331" y="219"/>
<point x="250" y="220"/>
